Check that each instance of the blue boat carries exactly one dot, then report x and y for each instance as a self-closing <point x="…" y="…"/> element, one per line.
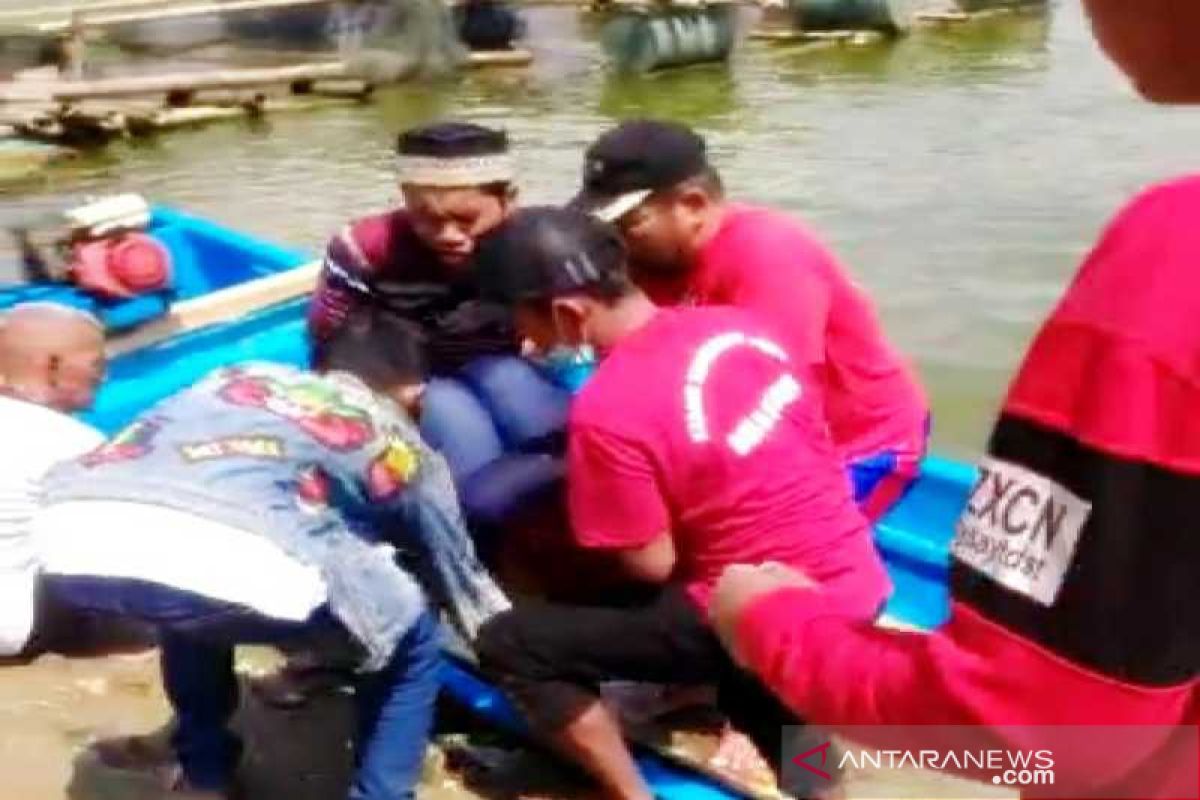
<point x="914" y="537"/>
<point x="206" y="258"/>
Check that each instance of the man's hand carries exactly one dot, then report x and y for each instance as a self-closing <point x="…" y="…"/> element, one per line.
<point x="742" y="584"/>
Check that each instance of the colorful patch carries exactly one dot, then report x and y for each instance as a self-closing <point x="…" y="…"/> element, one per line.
<point x="131" y="443"/>
<point x="266" y="447"/>
<point x="318" y="410"/>
<point x="312" y="489"/>
<point x="391" y="471"/>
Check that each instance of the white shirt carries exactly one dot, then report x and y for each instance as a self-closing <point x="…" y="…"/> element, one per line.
<point x="149" y="543"/>
<point x="33" y="439"/>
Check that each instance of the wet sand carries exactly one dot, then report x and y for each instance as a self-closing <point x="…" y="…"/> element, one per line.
<point x="54" y="709"/>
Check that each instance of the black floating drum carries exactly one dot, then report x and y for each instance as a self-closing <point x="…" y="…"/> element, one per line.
<point x="670" y="36"/>
<point x="888" y="16"/>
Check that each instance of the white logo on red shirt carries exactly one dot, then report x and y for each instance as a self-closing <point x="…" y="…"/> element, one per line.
<point x="753" y="429"/>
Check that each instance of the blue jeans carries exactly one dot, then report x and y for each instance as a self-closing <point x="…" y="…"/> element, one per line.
<point x="395" y="705"/>
<point x="499" y="423"/>
<point x="494" y="405"/>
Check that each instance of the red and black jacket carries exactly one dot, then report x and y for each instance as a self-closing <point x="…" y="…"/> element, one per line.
<point x="1076" y="567"/>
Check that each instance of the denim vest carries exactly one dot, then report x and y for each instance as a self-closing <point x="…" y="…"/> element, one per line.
<point x="329" y="471"/>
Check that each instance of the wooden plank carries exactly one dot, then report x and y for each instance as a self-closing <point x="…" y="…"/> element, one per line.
<point x="101" y="20"/>
<point x="221" y="306"/>
<point x="62" y="11"/>
<point x="943" y="18"/>
<point x="217" y="79"/>
<point x="480" y="59"/>
<point x="816" y="38"/>
<point x="133" y="86"/>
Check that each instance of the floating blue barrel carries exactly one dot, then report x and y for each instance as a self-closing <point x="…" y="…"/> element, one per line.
<point x="888" y="16"/>
<point x="670" y="37"/>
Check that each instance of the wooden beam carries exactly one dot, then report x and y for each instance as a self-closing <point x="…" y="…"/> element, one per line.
<point x="779" y="35"/>
<point x="105" y="19"/>
<point x="225" y="305"/>
<point x="480" y="59"/>
<point x="217" y="79"/>
<point x="61" y="11"/>
<point x="134" y="86"/>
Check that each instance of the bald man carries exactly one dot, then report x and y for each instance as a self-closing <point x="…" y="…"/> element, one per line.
<point x="51" y="355"/>
<point x="51" y="361"/>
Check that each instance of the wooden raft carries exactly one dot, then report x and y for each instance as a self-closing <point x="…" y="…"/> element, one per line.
<point x="134" y="86"/>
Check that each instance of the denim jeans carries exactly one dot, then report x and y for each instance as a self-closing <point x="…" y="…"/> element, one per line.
<point x="501" y="426"/>
<point x="395" y="705"/>
<point x="495" y="405"/>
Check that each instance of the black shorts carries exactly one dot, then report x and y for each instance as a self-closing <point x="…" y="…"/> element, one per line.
<point x="543" y="655"/>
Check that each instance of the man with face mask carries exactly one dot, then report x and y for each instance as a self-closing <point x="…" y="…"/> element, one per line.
<point x="1075" y="565"/>
<point x="51" y="361"/>
<point x="698" y="443"/>
<point x="417" y="263"/>
<point x="687" y="245"/>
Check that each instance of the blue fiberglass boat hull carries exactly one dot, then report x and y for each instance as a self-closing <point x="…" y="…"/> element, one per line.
<point x="913" y="538"/>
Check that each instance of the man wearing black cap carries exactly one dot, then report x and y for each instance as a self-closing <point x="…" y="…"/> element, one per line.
<point x="417" y="264"/>
<point x="688" y="246"/>
<point x="697" y="444"/>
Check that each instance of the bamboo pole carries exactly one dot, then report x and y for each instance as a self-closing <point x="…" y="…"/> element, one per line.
<point x="195" y="81"/>
<point x="947" y="18"/>
<point x="816" y="39"/>
<point x="481" y="59"/>
<point x="160" y="120"/>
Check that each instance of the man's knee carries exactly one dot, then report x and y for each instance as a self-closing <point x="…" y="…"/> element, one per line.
<point x="455" y="423"/>
<point x="500" y="646"/>
<point x="525" y="406"/>
<point x="509" y="653"/>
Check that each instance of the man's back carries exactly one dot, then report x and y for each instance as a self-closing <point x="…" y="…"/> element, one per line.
<point x="35" y="438"/>
<point x="255" y="446"/>
<point x="700" y="424"/>
<point x="768" y="264"/>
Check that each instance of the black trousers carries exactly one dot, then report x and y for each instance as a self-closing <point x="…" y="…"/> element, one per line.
<point x="543" y="654"/>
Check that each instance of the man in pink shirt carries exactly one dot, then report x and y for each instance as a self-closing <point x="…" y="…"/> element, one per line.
<point x="687" y="245"/>
<point x="697" y="444"/>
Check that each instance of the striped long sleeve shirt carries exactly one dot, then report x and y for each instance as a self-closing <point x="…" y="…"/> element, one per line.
<point x="380" y="261"/>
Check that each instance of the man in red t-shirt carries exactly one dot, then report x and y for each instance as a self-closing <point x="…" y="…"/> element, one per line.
<point x="687" y="245"/>
<point x="697" y="444"/>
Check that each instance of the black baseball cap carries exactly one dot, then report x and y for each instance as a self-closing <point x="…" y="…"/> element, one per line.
<point x="630" y="162"/>
<point x="544" y="252"/>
